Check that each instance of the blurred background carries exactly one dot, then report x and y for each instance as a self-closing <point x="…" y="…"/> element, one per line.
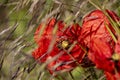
<point x="18" y="22"/>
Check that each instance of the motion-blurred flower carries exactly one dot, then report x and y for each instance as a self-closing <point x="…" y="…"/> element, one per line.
<point x="64" y="41"/>
<point x="103" y="50"/>
<point x="101" y="53"/>
<point x="106" y="58"/>
<point x="94" y="26"/>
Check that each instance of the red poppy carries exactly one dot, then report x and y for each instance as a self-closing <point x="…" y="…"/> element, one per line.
<point x="44" y="40"/>
<point x="101" y="53"/>
<point x="97" y="38"/>
<point x="48" y="26"/>
<point x="116" y="58"/>
<point x="64" y="39"/>
<point x="94" y="25"/>
<point x="105" y="57"/>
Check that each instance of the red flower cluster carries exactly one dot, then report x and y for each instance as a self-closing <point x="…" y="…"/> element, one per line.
<point x="73" y="42"/>
<point x="62" y="42"/>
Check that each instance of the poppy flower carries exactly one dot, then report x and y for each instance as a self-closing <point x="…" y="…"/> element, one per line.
<point x="116" y="58"/>
<point x="44" y="40"/>
<point x="98" y="40"/>
<point x="65" y="42"/>
<point x="94" y="25"/>
<point x="105" y="57"/>
<point x="101" y="53"/>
